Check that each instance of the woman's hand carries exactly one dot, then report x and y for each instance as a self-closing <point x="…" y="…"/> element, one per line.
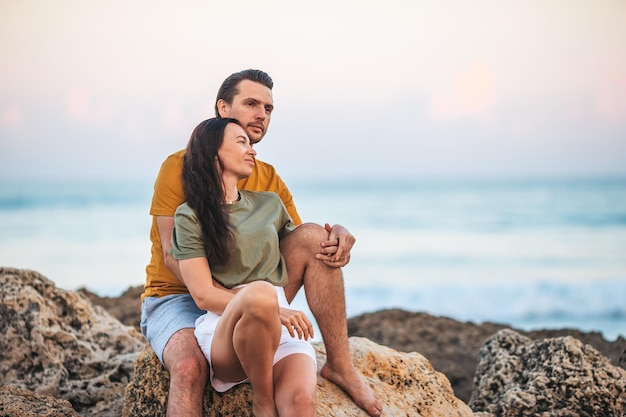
<point x="296" y="322"/>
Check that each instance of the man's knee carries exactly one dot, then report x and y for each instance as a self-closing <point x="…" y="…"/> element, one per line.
<point x="184" y="360"/>
<point x="307" y="237"/>
<point x="191" y="370"/>
<point x="311" y="231"/>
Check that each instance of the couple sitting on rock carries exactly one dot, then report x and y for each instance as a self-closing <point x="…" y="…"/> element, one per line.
<point x="227" y="259"/>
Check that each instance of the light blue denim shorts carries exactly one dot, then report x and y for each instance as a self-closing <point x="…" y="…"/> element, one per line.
<point x="161" y="317"/>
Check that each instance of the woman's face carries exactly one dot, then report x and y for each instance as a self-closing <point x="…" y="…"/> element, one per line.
<point x="236" y="152"/>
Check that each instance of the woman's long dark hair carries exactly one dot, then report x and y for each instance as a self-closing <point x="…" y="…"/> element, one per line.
<point x="204" y="190"/>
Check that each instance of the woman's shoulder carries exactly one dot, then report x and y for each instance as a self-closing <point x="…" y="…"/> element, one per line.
<point x="184" y="210"/>
<point x="260" y="195"/>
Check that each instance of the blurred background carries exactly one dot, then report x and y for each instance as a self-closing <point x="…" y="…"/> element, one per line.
<point x="477" y="150"/>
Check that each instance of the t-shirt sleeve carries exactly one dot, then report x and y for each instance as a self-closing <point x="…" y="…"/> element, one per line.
<point x="168" y="187"/>
<point x="187" y="237"/>
<point x="287" y="223"/>
<point x="265" y="178"/>
<point x="285" y="195"/>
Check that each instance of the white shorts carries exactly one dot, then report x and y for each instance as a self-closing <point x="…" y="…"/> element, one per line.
<point x="205" y="330"/>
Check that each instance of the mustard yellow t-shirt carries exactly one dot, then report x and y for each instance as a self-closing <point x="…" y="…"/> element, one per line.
<point x="168" y="195"/>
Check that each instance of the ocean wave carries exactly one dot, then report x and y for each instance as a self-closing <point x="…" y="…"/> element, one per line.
<point x="16" y="196"/>
<point x="586" y="305"/>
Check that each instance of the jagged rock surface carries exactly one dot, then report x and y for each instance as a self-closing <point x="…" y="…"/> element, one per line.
<point x="517" y="376"/>
<point x="451" y="346"/>
<point x="60" y="355"/>
<point x="56" y="343"/>
<point x="406" y="384"/>
<point x="126" y="307"/>
<point x="20" y="402"/>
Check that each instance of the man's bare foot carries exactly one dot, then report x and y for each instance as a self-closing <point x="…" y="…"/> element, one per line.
<point x="351" y="382"/>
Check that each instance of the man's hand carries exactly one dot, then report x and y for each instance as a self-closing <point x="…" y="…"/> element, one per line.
<point x="335" y="251"/>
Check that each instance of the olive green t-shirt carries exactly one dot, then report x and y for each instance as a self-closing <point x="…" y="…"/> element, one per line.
<point x="260" y="220"/>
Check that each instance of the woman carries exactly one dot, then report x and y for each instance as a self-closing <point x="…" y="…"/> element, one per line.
<point x="227" y="243"/>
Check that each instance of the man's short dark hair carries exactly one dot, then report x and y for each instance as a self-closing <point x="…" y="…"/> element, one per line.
<point x="230" y="86"/>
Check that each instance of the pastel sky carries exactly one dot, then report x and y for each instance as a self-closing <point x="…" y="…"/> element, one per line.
<point x="363" y="89"/>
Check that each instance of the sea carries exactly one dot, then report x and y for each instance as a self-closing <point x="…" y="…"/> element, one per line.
<point x="533" y="254"/>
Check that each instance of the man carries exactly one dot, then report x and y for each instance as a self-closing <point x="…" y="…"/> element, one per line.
<point x="314" y="256"/>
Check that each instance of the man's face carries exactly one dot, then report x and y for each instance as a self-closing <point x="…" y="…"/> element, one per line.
<point x="252" y="107"/>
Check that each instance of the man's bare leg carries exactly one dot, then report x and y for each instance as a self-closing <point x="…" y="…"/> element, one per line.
<point x="325" y="295"/>
<point x="188" y="374"/>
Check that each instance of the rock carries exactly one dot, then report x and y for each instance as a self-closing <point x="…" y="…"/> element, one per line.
<point x="126" y="308"/>
<point x="609" y="349"/>
<point x="406" y="384"/>
<point x="517" y="376"/>
<point x="19" y="402"/>
<point x="61" y="355"/>
<point x="57" y="344"/>
<point x="452" y="346"/>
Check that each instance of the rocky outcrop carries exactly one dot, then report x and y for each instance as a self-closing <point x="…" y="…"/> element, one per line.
<point x="126" y="308"/>
<point x="453" y="346"/>
<point x="56" y="343"/>
<point x="406" y="384"/>
<point x="20" y="402"/>
<point x="517" y="376"/>
<point x="61" y="355"/>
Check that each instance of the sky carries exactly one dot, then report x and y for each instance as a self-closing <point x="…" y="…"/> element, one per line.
<point x="363" y="89"/>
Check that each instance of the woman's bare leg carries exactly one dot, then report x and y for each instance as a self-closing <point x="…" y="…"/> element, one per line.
<point x="295" y="383"/>
<point x="245" y="342"/>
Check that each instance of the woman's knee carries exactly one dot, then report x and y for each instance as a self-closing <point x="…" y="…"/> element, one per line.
<point x="259" y="297"/>
<point x="300" y="401"/>
<point x="304" y="398"/>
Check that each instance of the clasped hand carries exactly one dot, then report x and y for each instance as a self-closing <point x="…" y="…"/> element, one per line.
<point x="335" y="251"/>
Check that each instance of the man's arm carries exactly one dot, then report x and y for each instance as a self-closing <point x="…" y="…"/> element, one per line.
<point x="165" y="224"/>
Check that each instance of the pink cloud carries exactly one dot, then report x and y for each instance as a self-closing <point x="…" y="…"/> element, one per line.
<point x="470" y="96"/>
<point x="610" y="98"/>
<point x="81" y="107"/>
<point x="13" y="117"/>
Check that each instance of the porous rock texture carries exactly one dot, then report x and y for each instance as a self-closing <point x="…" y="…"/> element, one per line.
<point x="452" y="347"/>
<point x="55" y="343"/>
<point x="518" y="376"/>
<point x="60" y="355"/>
<point x="20" y="402"/>
<point x="405" y="383"/>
